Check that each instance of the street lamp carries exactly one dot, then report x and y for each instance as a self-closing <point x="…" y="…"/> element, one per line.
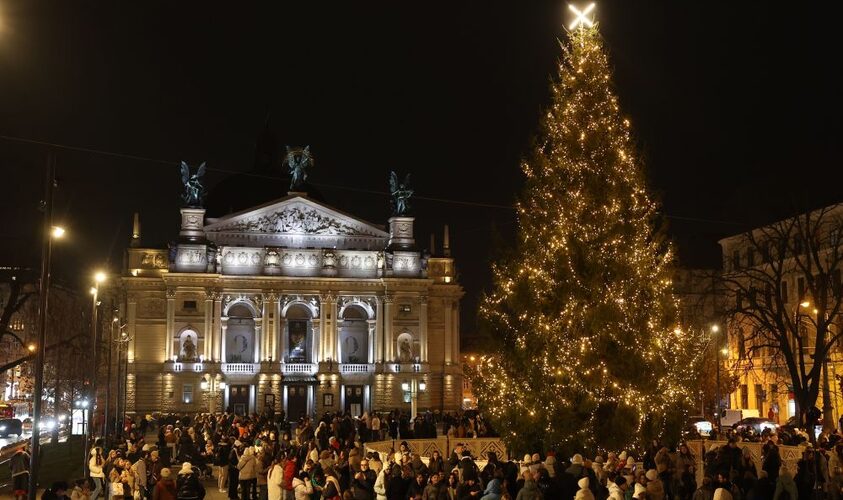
<point x="99" y="277"/>
<point x="48" y="234"/>
<point x="718" y="407"/>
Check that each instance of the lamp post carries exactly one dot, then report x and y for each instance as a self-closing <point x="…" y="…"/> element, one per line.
<point x="411" y="391"/>
<point x="724" y="351"/>
<point x="122" y="342"/>
<point x="99" y="278"/>
<point x="48" y="234"/>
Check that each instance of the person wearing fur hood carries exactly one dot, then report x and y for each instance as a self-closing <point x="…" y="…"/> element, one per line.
<point x="617" y="488"/>
<point x="655" y="487"/>
<point x="584" y="493"/>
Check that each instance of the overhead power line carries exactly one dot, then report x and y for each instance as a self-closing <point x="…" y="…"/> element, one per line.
<point x="173" y="163"/>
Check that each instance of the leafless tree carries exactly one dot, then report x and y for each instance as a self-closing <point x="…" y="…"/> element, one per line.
<point x="791" y="331"/>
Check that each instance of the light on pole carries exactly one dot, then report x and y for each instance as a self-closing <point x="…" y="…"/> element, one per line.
<point x="718" y="406"/>
<point x="99" y="278"/>
<point x="48" y="234"/>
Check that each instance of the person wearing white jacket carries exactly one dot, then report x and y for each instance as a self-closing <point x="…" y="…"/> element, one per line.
<point x="380" y="485"/>
<point x="302" y="487"/>
<point x="95" y="464"/>
<point x="274" y="478"/>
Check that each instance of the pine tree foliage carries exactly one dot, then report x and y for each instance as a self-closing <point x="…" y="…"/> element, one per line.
<point x="591" y="352"/>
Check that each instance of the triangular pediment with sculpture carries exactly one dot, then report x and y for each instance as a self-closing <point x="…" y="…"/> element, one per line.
<point x="294" y="215"/>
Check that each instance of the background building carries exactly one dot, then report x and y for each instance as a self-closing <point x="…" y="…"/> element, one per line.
<point x="788" y="272"/>
<point x="295" y="306"/>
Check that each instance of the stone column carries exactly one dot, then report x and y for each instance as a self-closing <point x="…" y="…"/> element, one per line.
<point x="208" y="331"/>
<point x="449" y="332"/>
<point x="387" y="328"/>
<point x="131" y="315"/>
<point x="329" y="306"/>
<point x="455" y="332"/>
<point x="282" y="330"/>
<point x="370" y="354"/>
<point x="266" y="327"/>
<point x="379" y="355"/>
<point x="423" y="328"/>
<point x="323" y="329"/>
<point x="275" y="347"/>
<point x="171" y="321"/>
<point x="216" y="343"/>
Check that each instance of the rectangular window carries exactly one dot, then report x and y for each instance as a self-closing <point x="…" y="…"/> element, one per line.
<point x="736" y="259"/>
<point x="800" y="288"/>
<point x="189" y="305"/>
<point x="765" y="251"/>
<point x="739" y="299"/>
<point x="744" y="396"/>
<point x="785" y="298"/>
<point x="750" y="257"/>
<point x="797" y="245"/>
<point x="774" y="391"/>
<point x="834" y="237"/>
<point x="187" y="393"/>
<point x="759" y="398"/>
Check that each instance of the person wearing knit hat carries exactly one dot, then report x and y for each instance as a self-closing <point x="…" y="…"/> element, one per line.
<point x="577" y="459"/>
<point x="188" y="484"/>
<point x="165" y="472"/>
<point x="651" y="475"/>
<point x="584" y="493"/>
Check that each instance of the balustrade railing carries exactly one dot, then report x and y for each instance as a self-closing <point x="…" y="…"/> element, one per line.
<point x="300" y="368"/>
<point x="241" y="368"/>
<point x="356" y="368"/>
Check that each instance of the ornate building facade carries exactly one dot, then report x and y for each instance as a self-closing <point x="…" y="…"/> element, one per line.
<point x="294" y="306"/>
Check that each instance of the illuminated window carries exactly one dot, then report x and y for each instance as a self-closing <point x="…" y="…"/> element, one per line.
<point x="187" y="393"/>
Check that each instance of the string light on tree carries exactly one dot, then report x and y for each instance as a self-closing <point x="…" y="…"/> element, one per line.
<point x="591" y="354"/>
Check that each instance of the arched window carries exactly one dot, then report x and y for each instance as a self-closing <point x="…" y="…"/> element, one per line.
<point x="354" y="335"/>
<point x="240" y="335"/>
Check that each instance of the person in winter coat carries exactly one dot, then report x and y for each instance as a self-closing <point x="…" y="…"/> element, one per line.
<point x="584" y="492"/>
<point x="655" y="488"/>
<point x="248" y="476"/>
<point x="417" y="486"/>
<point x="275" y="480"/>
<point x="722" y="494"/>
<point x="97" y="475"/>
<point x="332" y="484"/>
<point x="289" y="473"/>
<point x="188" y="486"/>
<point x="436" y="489"/>
<point x="467" y="489"/>
<point x="785" y="486"/>
<point x="530" y="490"/>
<point x="263" y="462"/>
<point x="380" y="484"/>
<point x="435" y="465"/>
<point x="165" y="488"/>
<point x="399" y="483"/>
<point x="302" y="487"/>
<point x="493" y="490"/>
<point x="233" y="471"/>
<point x="706" y="491"/>
<point x="617" y="488"/>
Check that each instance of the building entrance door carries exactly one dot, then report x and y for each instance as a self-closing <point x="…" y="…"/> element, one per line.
<point x="354" y="400"/>
<point x="238" y="399"/>
<point x="296" y="401"/>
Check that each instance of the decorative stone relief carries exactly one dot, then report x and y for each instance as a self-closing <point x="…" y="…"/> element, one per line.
<point x="296" y="220"/>
<point x="255" y="300"/>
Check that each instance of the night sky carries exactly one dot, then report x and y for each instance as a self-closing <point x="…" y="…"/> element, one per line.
<point x="735" y="108"/>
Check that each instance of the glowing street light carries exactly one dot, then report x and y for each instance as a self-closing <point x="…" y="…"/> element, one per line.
<point x="582" y="17"/>
<point x="715" y="328"/>
<point x="57" y="232"/>
<point x="805" y="304"/>
<point x="99" y="277"/>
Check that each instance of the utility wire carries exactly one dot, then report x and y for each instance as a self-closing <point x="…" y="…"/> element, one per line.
<point x="126" y="156"/>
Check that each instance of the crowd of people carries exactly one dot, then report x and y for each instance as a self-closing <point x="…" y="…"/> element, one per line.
<point x="261" y="457"/>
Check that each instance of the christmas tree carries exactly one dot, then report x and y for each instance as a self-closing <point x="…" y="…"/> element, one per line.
<point x="591" y="354"/>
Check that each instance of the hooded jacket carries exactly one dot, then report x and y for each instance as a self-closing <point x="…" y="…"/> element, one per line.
<point x="94" y="467"/>
<point x="530" y="491"/>
<point x="785" y="483"/>
<point x="248" y="465"/>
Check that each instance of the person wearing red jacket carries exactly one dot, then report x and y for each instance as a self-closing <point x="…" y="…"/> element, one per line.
<point x="289" y="473"/>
